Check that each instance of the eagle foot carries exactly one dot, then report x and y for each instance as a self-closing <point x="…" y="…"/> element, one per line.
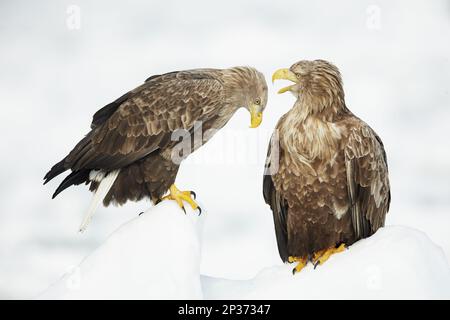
<point x="301" y="263"/>
<point x="323" y="255"/>
<point x="180" y="196"/>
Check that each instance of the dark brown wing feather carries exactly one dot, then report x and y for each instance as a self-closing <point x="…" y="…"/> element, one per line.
<point x="275" y="201"/>
<point x="142" y="121"/>
<point x="367" y="179"/>
<point x="107" y="111"/>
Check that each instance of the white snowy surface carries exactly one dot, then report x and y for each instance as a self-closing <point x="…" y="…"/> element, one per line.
<point x="154" y="256"/>
<point x="395" y="263"/>
<point x="157" y="256"/>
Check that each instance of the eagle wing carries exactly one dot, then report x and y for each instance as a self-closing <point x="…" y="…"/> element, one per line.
<point x="367" y="179"/>
<point x="274" y="199"/>
<point x="145" y="121"/>
<point x="142" y="121"/>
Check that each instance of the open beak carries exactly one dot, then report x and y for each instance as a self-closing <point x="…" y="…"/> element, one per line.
<point x="284" y="74"/>
<point x="256" y="116"/>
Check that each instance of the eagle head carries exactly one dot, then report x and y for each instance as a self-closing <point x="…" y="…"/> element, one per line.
<point x="317" y="84"/>
<point x="247" y="88"/>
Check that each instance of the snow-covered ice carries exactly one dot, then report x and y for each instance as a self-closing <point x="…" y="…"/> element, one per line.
<point x="395" y="263"/>
<point x="154" y="256"/>
<point x="157" y="255"/>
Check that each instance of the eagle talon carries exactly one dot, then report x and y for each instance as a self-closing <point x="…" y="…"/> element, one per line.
<point x="141" y="213"/>
<point x="301" y="263"/>
<point x="180" y="196"/>
<point x="320" y="257"/>
<point x="199" y="211"/>
<point x="193" y="194"/>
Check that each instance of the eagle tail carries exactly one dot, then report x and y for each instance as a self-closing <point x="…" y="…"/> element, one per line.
<point x="104" y="186"/>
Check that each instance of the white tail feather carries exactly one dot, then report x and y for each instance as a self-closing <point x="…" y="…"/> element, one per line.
<point x="103" y="188"/>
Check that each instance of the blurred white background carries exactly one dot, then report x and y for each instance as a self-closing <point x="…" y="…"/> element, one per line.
<point x="61" y="61"/>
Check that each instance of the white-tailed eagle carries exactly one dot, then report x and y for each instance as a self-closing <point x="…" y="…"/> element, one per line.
<point x="127" y="155"/>
<point x="330" y="185"/>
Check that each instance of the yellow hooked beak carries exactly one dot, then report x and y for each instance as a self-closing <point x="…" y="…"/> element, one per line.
<point x="256" y="116"/>
<point x="284" y="74"/>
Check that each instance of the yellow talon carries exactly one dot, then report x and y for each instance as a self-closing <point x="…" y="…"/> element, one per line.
<point x="323" y="255"/>
<point x="301" y="263"/>
<point x="180" y="196"/>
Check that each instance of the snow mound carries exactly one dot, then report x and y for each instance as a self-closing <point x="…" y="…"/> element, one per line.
<point x="157" y="256"/>
<point x="395" y="263"/>
<point x="154" y="256"/>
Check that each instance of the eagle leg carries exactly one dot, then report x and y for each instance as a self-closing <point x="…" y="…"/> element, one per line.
<point x="323" y="255"/>
<point x="180" y="196"/>
<point x="301" y="263"/>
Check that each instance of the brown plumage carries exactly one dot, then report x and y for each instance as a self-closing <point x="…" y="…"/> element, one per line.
<point x="134" y="133"/>
<point x="327" y="179"/>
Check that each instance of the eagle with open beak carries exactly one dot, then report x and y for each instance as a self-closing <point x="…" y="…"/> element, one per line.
<point x="327" y="182"/>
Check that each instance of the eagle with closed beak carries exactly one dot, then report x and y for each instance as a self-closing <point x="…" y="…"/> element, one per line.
<point x="326" y="177"/>
<point x="130" y="150"/>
